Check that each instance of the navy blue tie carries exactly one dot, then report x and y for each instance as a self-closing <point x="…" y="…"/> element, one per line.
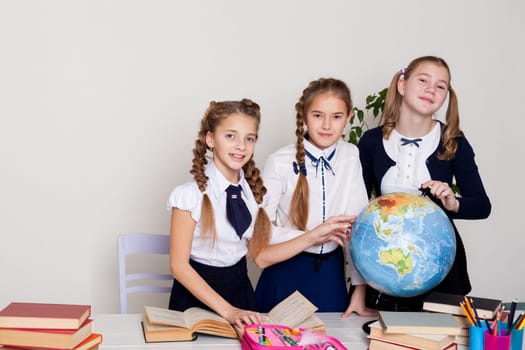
<point x="405" y="142"/>
<point x="236" y="210"/>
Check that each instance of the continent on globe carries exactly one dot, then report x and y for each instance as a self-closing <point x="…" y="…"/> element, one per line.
<point x="395" y="257"/>
<point x="403" y="244"/>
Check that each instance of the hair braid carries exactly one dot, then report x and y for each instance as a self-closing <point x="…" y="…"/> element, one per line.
<point x="199" y="162"/>
<point x="300" y="204"/>
<point x="262" y="226"/>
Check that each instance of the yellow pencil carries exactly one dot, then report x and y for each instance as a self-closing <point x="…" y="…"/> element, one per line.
<point x="469" y="318"/>
<point x="468" y="306"/>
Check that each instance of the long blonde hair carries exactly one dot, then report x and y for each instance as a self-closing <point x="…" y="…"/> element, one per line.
<point x="214" y="115"/>
<point x="394" y="99"/>
<point x="300" y="200"/>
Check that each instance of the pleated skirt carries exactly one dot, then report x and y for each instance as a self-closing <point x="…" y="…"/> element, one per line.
<point x="232" y="283"/>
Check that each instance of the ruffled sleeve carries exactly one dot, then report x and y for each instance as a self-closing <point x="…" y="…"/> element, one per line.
<point x="186" y="197"/>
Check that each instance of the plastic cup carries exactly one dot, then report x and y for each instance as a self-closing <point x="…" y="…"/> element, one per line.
<point x="499" y="341"/>
<point x="476" y="339"/>
<point x="517" y="340"/>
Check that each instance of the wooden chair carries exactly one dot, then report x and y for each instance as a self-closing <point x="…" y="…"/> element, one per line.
<point x="140" y="243"/>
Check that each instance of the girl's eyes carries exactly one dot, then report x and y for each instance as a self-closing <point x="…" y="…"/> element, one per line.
<point x="338" y="116"/>
<point x="317" y="115"/>
<point x="250" y="139"/>
<point x="439" y="87"/>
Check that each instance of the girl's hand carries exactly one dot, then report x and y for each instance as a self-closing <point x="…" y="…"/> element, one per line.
<point x="335" y="228"/>
<point x="241" y="317"/>
<point x="443" y="192"/>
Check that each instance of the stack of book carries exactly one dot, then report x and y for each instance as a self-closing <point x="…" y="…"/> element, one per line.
<point x="481" y="308"/>
<point x="414" y="330"/>
<point x="45" y="325"/>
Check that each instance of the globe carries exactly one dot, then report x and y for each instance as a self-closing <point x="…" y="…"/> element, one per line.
<point x="403" y="244"/>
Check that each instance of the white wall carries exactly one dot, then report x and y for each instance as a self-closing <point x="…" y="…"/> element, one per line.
<point x="100" y="103"/>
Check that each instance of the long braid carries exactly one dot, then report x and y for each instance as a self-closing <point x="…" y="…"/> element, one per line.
<point x="198" y="165"/>
<point x="262" y="226"/>
<point x="300" y="200"/>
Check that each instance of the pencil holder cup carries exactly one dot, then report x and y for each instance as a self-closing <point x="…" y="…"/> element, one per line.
<point x="499" y="341"/>
<point x="476" y="337"/>
<point x="516" y="342"/>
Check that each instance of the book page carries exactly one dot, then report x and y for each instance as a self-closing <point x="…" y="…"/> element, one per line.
<point x="312" y="322"/>
<point x="166" y="317"/>
<point x="292" y="310"/>
<point x="194" y="315"/>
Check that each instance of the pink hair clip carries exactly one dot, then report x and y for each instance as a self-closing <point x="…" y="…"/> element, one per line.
<point x="402" y="71"/>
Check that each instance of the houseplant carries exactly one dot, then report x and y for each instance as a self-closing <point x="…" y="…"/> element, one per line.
<point x="375" y="104"/>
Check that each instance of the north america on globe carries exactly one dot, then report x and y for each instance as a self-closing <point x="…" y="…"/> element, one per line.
<point x="403" y="244"/>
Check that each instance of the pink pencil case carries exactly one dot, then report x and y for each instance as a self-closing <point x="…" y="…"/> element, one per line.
<point x="278" y="337"/>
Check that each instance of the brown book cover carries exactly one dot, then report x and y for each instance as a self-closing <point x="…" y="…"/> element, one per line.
<point x="46" y="338"/>
<point x="44" y="315"/>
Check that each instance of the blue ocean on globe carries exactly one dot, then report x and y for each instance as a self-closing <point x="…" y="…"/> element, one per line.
<point x="403" y="244"/>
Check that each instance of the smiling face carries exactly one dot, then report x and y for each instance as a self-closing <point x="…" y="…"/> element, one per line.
<point x="425" y="90"/>
<point x="325" y="119"/>
<point x="233" y="144"/>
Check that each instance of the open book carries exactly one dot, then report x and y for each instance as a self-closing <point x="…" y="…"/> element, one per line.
<point x="168" y="325"/>
<point x="295" y="311"/>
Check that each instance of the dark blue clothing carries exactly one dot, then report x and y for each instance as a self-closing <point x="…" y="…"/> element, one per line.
<point x="325" y="286"/>
<point x="474" y="202"/>
<point x="231" y="282"/>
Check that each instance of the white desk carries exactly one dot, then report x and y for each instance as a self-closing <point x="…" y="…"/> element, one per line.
<point x="125" y="332"/>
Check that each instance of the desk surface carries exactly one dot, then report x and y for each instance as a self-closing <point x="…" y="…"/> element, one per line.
<point x="125" y="332"/>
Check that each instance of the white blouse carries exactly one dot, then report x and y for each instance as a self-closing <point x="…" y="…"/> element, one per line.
<point x="228" y="248"/>
<point x="410" y="170"/>
<point x="334" y="190"/>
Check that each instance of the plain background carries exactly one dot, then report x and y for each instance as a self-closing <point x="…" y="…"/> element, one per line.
<point x="100" y="103"/>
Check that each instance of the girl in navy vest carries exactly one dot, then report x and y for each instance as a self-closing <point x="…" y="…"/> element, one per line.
<point x="412" y="151"/>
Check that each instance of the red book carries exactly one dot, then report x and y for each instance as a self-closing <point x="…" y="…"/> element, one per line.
<point x="46" y="338"/>
<point x="44" y="315"/>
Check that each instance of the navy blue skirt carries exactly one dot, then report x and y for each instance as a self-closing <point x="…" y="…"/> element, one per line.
<point x="320" y="278"/>
<point x="231" y="282"/>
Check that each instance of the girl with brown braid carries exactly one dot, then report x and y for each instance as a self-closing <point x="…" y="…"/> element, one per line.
<point x="315" y="186"/>
<point x="211" y="224"/>
<point x="413" y="151"/>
